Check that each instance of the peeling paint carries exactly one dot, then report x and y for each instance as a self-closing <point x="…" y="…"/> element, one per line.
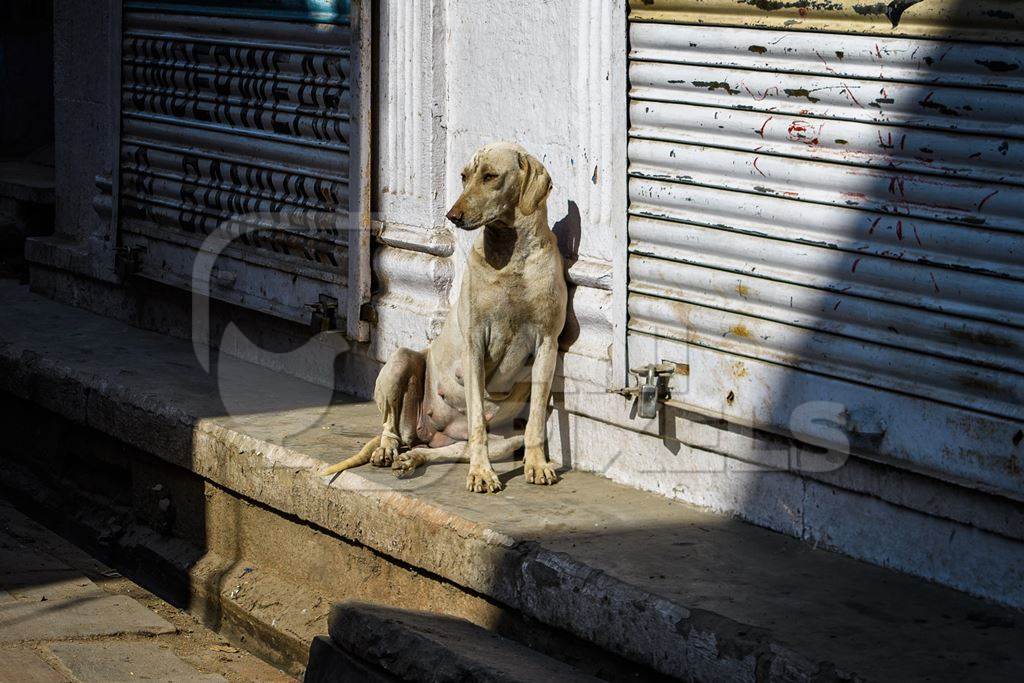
<point x="997" y="66"/>
<point x="893" y="11"/>
<point x="715" y="85"/>
<point x="801" y="92"/>
<point x="942" y="108"/>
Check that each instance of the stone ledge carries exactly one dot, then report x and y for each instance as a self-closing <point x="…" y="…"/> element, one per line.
<point x="688" y="593"/>
<point x="26" y="182"/>
<point x="421" y="646"/>
<point x="328" y="663"/>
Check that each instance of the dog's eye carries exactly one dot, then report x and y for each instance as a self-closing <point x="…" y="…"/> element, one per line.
<point x="464" y="176"/>
<point x="488" y="177"/>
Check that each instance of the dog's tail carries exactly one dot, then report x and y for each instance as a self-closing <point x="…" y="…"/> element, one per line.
<point x="360" y="458"/>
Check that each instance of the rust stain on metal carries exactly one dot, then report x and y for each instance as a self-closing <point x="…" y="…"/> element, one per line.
<point x="743" y="290"/>
<point x="773" y="90"/>
<point x="853" y="98"/>
<point x="804" y="132"/>
<point x="758" y="49"/>
<point x="987" y="197"/>
<point x="740" y="330"/>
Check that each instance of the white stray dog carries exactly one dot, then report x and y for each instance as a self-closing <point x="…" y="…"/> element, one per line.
<point x="497" y="349"/>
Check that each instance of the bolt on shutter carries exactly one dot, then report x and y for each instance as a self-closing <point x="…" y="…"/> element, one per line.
<point x="240" y="116"/>
<point x="825" y="216"/>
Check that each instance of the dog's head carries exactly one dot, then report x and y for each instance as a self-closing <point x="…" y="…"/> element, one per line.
<point x="500" y="183"/>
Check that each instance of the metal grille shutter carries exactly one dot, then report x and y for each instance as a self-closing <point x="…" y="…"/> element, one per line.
<point x="837" y="217"/>
<point x="244" y="123"/>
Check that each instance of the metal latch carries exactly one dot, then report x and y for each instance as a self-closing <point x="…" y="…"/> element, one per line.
<point x="128" y="260"/>
<point x="651" y="387"/>
<point x="324" y="316"/>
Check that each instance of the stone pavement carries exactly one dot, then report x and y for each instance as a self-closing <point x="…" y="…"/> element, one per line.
<point x="66" y="617"/>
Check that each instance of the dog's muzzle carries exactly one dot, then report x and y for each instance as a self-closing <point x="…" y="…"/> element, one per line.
<point x="456" y="216"/>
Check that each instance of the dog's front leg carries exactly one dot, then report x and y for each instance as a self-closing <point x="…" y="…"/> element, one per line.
<point x="482" y="477"/>
<point x="535" y="462"/>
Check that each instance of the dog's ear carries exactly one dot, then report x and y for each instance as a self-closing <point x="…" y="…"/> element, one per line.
<point x="536" y="184"/>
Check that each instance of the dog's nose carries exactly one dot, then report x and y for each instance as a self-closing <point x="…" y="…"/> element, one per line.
<point x="455" y="215"/>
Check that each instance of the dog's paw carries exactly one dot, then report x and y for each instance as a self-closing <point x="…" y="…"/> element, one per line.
<point x="405" y="463"/>
<point x="384" y="455"/>
<point x="483" y="480"/>
<point x="540" y="472"/>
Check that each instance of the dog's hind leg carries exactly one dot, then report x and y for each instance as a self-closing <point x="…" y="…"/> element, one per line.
<point x="498" y="448"/>
<point x="398" y="393"/>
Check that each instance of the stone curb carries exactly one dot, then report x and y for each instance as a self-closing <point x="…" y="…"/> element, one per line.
<point x="418" y="646"/>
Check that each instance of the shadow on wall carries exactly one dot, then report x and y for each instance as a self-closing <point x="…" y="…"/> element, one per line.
<point x="904" y="229"/>
<point x="568" y="231"/>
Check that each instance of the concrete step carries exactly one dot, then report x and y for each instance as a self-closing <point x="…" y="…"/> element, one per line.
<point x="664" y="585"/>
<point x="419" y="646"/>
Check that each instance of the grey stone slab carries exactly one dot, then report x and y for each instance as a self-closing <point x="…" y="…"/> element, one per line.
<point x="29" y="575"/>
<point x="328" y="663"/>
<point x="121" y="662"/>
<point x="656" y="581"/>
<point x="18" y="531"/>
<point x="24" y="666"/>
<point x="86" y="617"/>
<point x="418" y="646"/>
<point x="43" y="587"/>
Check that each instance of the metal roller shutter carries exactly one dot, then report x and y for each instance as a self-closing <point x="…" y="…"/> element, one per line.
<point x="825" y="216"/>
<point x="240" y="115"/>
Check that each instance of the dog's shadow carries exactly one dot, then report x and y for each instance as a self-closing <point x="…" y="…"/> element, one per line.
<point x="567" y="231"/>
